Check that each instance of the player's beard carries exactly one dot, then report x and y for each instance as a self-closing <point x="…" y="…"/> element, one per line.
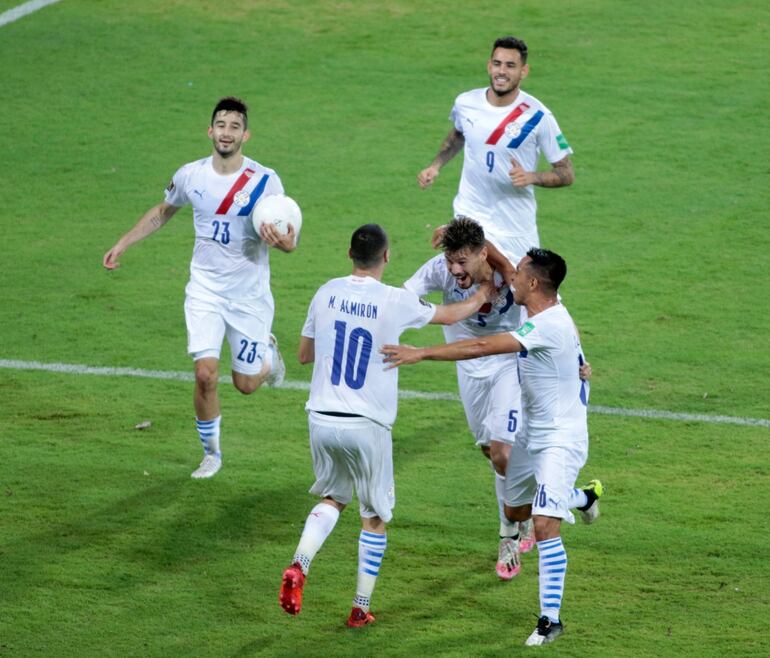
<point x="231" y="149"/>
<point x="502" y="92"/>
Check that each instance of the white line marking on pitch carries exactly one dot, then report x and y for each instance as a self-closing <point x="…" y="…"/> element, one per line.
<point x="75" y="369"/>
<point x="22" y="10"/>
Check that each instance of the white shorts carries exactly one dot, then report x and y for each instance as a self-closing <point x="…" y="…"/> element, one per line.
<point x="246" y="325"/>
<point x="492" y="404"/>
<point x="545" y="477"/>
<point x="353" y="453"/>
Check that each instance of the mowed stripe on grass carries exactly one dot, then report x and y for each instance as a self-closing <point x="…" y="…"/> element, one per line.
<point x="76" y="369"/>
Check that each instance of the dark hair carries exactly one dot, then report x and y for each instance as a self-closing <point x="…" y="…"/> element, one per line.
<point x="547" y="267"/>
<point x="231" y="104"/>
<point x="368" y="245"/>
<point x="512" y="43"/>
<point x="463" y="232"/>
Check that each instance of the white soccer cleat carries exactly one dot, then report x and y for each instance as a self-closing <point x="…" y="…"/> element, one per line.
<point x="508" y="563"/>
<point x="208" y="468"/>
<point x="545" y="633"/>
<point x="527" y="539"/>
<point x="278" y="371"/>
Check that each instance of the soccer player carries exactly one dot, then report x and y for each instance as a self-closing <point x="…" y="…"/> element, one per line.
<point x="228" y="294"/>
<point x="489" y="386"/>
<point x="503" y="130"/>
<point x="554" y="428"/>
<point x="352" y="407"/>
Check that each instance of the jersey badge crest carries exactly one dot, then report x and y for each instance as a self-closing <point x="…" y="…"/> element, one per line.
<point x="513" y="130"/>
<point x="241" y="198"/>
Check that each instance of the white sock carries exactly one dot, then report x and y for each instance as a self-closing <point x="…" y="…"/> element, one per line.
<point x="578" y="498"/>
<point x="371" y="548"/>
<point x="552" y="565"/>
<point x="507" y="528"/>
<point x="208" y="431"/>
<point x="318" y="526"/>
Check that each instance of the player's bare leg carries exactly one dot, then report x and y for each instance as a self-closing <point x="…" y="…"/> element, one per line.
<point x="272" y="373"/>
<point x="508" y="563"/>
<point x="318" y="526"/>
<point x="207" y="416"/>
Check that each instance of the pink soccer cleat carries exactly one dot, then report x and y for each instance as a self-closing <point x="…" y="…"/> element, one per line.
<point x="290" y="596"/>
<point x="508" y="563"/>
<point x="527" y="534"/>
<point x="360" y="618"/>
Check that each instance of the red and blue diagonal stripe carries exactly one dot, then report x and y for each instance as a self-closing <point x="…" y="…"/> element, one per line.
<point x="497" y="133"/>
<point x="526" y="129"/>
<point x="237" y="186"/>
<point x="255" y="194"/>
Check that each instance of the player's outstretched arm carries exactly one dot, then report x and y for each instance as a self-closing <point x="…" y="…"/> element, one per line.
<point x="450" y="147"/>
<point x="150" y="222"/>
<point x="451" y="313"/>
<point x="470" y="348"/>
<point x="500" y="263"/>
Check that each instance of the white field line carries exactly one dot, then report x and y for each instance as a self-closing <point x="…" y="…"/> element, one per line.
<point x="74" y="369"/>
<point x="22" y="10"/>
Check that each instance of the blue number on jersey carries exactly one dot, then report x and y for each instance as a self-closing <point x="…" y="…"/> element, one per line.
<point x="249" y="356"/>
<point x="490" y="160"/>
<point x="223" y="237"/>
<point x="359" y="348"/>
<point x="513" y="421"/>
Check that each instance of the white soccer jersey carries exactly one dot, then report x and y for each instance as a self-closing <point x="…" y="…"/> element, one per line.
<point x="350" y="319"/>
<point x="229" y="259"/>
<point x="554" y="397"/>
<point x="493" y="136"/>
<point x="494" y="318"/>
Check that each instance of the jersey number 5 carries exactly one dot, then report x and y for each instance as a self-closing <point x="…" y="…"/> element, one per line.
<point x="359" y="349"/>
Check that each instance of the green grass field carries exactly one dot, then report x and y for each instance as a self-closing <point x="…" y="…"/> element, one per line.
<point x="108" y="548"/>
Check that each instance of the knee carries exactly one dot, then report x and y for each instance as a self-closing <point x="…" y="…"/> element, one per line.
<point x="521" y="513"/>
<point x="546" y="527"/>
<point x="206" y="378"/>
<point x="498" y="454"/>
<point x="246" y="385"/>
<point x="499" y="462"/>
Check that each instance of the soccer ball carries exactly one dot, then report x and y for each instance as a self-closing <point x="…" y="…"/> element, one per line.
<point x="280" y="210"/>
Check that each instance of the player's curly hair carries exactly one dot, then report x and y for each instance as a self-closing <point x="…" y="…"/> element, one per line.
<point x="232" y="104"/>
<point x="512" y="43"/>
<point x="367" y="245"/>
<point x="461" y="233"/>
<point x="547" y="267"/>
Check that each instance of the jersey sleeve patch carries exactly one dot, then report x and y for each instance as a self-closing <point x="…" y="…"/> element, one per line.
<point x="524" y="329"/>
<point x="562" y="142"/>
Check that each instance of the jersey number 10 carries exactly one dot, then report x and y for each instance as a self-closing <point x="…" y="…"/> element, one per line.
<point x="359" y="349"/>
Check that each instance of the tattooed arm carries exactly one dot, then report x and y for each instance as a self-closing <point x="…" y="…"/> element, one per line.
<point x="450" y="147"/>
<point x="150" y="222"/>
<point x="561" y="174"/>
